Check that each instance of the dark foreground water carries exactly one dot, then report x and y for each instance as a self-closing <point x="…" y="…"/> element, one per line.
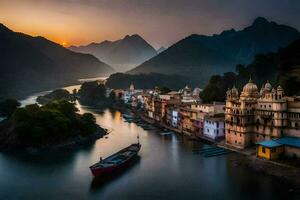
<point x="167" y="169"/>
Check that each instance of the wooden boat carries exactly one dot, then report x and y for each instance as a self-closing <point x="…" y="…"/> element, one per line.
<point x="117" y="161"/>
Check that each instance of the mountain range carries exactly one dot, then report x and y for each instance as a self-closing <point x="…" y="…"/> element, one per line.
<point x="122" y="54"/>
<point x="31" y="64"/>
<point x="200" y="56"/>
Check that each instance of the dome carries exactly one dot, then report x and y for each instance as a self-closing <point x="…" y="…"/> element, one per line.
<point x="235" y="91"/>
<point x="279" y="88"/>
<point x="196" y="91"/>
<point x="268" y="86"/>
<point x="250" y="87"/>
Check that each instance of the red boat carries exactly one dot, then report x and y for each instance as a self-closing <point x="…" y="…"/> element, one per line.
<point x="117" y="161"/>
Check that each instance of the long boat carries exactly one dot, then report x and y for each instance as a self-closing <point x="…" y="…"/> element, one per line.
<point x="117" y="161"/>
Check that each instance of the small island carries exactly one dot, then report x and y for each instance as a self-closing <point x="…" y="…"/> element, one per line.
<point x="53" y="125"/>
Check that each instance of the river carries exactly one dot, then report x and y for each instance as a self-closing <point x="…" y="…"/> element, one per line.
<point x="167" y="168"/>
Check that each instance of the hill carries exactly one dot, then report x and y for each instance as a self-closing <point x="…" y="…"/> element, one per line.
<point x="31" y="64"/>
<point x="281" y="68"/>
<point x="200" y="56"/>
<point x="122" y="54"/>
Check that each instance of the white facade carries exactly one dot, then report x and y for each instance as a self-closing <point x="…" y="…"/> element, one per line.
<point x="127" y="96"/>
<point x="175" y="118"/>
<point x="214" y="128"/>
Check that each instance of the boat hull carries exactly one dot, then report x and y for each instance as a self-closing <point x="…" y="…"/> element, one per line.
<point x="110" y="170"/>
<point x="100" y="171"/>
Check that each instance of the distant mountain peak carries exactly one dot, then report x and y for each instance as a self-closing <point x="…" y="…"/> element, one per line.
<point x="133" y="37"/>
<point x="161" y="49"/>
<point x="127" y="52"/>
<point x="229" y="32"/>
<point x="260" y="21"/>
<point x="3" y="27"/>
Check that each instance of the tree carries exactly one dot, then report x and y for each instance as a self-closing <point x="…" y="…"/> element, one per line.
<point x="164" y="90"/>
<point x="8" y="106"/>
<point x="92" y="93"/>
<point x="88" y="124"/>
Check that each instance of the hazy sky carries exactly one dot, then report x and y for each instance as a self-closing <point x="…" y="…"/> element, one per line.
<point x="160" y="22"/>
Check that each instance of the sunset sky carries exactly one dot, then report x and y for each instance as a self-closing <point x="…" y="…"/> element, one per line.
<point x="160" y="22"/>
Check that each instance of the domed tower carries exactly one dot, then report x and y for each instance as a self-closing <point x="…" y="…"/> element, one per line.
<point x="250" y="91"/>
<point x="268" y="86"/>
<point x="245" y="118"/>
<point x="131" y="88"/>
<point x="234" y="92"/>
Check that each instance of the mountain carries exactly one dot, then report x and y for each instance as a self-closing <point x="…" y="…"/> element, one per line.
<point x="200" y="56"/>
<point x="280" y="68"/>
<point x="161" y="49"/>
<point x="122" y="54"/>
<point x="31" y="64"/>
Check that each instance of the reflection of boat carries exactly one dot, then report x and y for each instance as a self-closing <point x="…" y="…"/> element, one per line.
<point x="125" y="116"/>
<point x="99" y="182"/>
<point x="117" y="161"/>
<point x="166" y="133"/>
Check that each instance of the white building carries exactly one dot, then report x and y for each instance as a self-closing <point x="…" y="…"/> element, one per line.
<point x="214" y="127"/>
<point x="175" y="118"/>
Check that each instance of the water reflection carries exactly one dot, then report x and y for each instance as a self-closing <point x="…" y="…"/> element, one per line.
<point x="98" y="183"/>
<point x="168" y="169"/>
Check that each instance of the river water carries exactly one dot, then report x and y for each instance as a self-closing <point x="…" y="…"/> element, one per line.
<point x="167" y="168"/>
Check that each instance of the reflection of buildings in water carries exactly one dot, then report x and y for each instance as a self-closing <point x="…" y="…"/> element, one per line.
<point x="117" y="117"/>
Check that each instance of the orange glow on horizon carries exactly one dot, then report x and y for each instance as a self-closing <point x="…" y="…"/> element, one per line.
<point x="64" y="44"/>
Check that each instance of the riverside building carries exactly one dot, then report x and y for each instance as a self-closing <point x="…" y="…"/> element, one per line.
<point x="255" y="116"/>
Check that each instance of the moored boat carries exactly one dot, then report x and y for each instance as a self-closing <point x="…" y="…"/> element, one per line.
<point x="117" y="161"/>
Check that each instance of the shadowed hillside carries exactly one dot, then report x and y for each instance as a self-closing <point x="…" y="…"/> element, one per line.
<point x="31" y="64"/>
<point x="200" y="56"/>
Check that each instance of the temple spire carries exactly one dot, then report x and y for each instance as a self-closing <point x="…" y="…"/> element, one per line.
<point x="250" y="80"/>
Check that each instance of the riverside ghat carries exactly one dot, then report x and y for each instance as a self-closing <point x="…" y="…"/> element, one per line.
<point x="167" y="162"/>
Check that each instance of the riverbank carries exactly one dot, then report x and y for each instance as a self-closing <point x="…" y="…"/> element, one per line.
<point x="284" y="173"/>
<point x="73" y="142"/>
<point x="247" y="159"/>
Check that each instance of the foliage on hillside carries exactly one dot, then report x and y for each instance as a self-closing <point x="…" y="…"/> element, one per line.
<point x="59" y="94"/>
<point x="92" y="93"/>
<point x="281" y="68"/>
<point x="51" y="123"/>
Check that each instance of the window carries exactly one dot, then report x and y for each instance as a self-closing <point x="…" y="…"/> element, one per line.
<point x="240" y="135"/>
<point x="217" y="132"/>
<point x="273" y="150"/>
<point x="263" y="149"/>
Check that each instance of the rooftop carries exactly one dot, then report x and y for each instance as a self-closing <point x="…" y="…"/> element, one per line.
<point x="289" y="141"/>
<point x="269" y="143"/>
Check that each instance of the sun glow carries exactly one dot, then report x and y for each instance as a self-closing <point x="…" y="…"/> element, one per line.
<point x="64" y="44"/>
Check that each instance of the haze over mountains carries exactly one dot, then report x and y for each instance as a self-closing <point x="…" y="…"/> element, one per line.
<point x="31" y="64"/>
<point x="123" y="54"/>
<point x="200" y="56"/>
